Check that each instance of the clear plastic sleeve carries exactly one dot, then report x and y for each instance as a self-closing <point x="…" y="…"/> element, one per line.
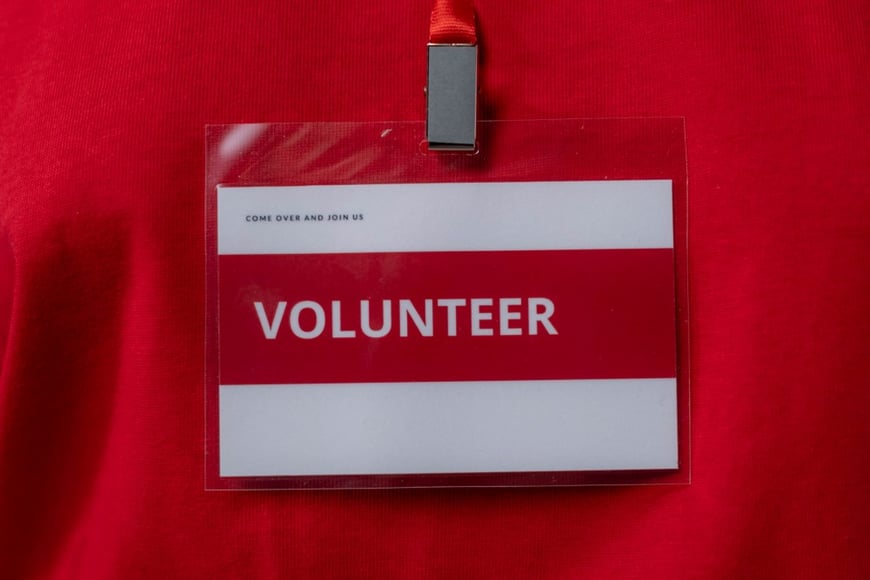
<point x="380" y="315"/>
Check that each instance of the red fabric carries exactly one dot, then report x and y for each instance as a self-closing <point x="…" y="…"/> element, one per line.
<point x="102" y="108"/>
<point x="452" y="22"/>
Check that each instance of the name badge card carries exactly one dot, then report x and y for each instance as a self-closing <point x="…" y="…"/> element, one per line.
<point x="381" y="316"/>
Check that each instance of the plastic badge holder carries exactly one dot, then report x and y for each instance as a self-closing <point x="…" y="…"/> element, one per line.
<point x="380" y="315"/>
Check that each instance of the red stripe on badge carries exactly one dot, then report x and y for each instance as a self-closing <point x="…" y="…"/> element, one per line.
<point x="454" y="316"/>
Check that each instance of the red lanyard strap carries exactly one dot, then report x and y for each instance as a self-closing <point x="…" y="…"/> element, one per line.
<point x="452" y="23"/>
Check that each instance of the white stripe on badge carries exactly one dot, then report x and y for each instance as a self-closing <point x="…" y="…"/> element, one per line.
<point x="452" y="427"/>
<point x="445" y="217"/>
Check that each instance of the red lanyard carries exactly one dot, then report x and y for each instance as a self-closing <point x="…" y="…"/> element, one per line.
<point x="452" y="23"/>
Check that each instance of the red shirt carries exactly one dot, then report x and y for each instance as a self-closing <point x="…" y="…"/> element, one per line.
<point x="102" y="109"/>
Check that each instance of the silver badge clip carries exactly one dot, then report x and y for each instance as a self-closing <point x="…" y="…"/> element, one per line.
<point x="451" y="97"/>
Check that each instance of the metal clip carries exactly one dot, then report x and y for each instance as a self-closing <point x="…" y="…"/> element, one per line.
<point x="451" y="97"/>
